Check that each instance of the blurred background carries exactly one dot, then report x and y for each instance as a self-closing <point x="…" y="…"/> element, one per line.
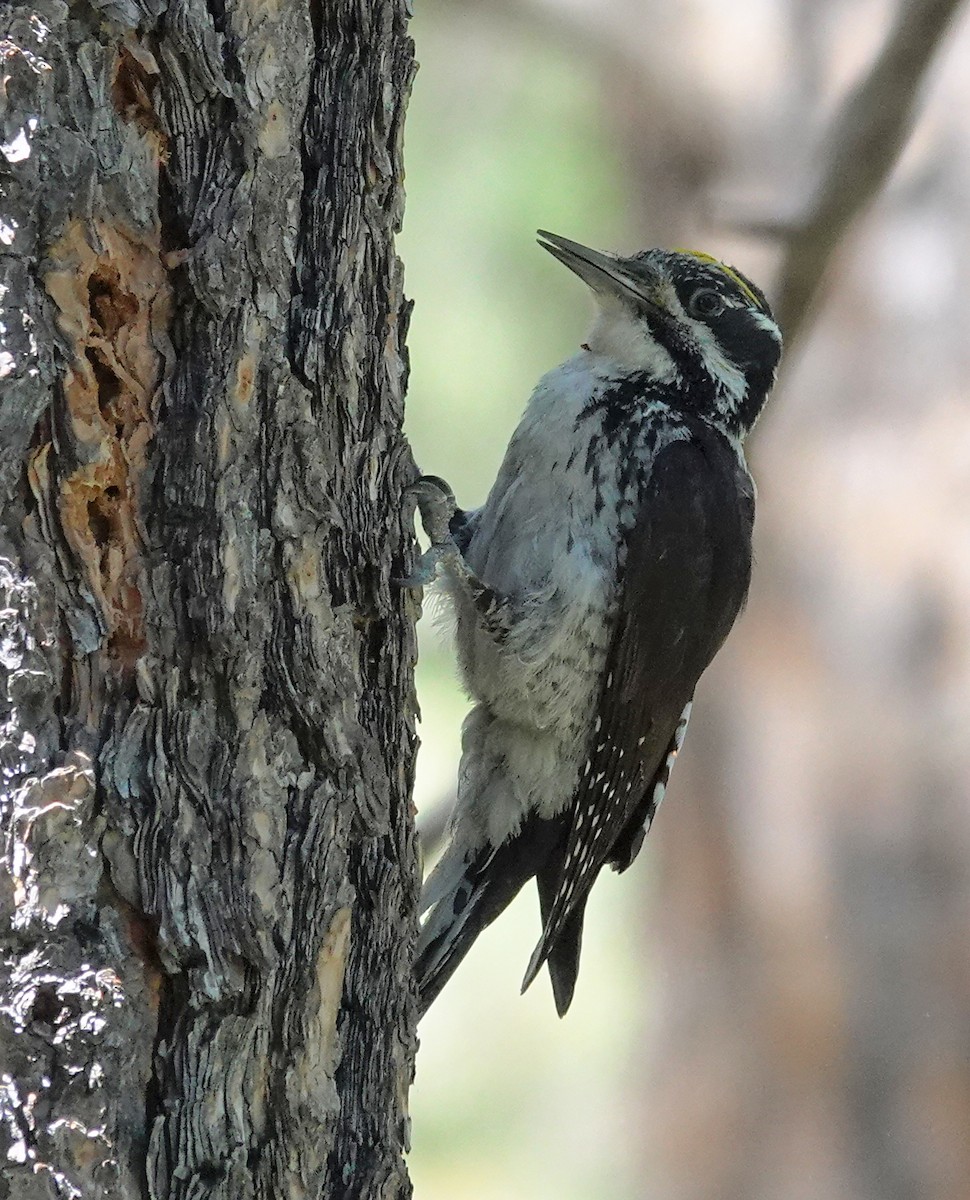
<point x="775" y="1000"/>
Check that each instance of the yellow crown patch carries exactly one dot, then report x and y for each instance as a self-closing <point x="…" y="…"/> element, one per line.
<point x="729" y="271"/>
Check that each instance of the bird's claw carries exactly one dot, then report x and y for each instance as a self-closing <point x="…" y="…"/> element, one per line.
<point x="436" y="504"/>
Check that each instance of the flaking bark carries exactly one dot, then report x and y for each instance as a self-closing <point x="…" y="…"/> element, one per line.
<point x="206" y="670"/>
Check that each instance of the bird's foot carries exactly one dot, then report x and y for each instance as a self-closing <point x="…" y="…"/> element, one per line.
<point x="436" y="504"/>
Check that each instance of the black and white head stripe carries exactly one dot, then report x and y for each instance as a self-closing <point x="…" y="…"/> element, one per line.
<point x="718" y="328"/>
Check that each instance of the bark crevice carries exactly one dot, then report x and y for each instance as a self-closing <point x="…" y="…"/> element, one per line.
<point x="201" y="542"/>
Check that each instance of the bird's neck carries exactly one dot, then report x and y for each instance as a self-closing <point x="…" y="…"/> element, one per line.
<point x="628" y="395"/>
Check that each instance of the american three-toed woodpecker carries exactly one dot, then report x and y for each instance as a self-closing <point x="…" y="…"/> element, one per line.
<point x="592" y="589"/>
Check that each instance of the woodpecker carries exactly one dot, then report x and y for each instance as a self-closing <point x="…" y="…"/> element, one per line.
<point x="591" y="590"/>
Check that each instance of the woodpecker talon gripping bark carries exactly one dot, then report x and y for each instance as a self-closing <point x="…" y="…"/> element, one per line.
<point x="436" y="503"/>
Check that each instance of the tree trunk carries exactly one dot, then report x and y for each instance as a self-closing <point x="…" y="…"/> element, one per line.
<point x="207" y="673"/>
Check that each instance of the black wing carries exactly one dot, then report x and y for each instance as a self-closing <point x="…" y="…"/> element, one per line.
<point x="685" y="579"/>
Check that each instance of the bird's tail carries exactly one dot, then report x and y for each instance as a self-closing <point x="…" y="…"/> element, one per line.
<point x="562" y="955"/>
<point x="466" y="892"/>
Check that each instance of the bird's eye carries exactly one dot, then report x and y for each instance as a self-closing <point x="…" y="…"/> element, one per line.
<point x="706" y="303"/>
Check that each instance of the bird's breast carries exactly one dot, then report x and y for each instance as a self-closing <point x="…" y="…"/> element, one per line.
<point x="550" y="538"/>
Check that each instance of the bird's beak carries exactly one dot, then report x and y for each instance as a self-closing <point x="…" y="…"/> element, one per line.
<point x="606" y="272"/>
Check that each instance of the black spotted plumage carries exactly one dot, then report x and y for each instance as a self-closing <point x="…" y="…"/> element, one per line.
<point x="686" y="576"/>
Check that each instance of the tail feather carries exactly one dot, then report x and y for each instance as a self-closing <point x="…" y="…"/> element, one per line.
<point x="466" y="893"/>
<point x="563" y="955"/>
<point x="454" y="923"/>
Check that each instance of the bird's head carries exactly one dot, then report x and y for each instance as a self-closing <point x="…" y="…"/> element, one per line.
<point x="686" y="321"/>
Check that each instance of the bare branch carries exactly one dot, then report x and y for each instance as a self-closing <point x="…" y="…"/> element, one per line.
<point x="866" y="139"/>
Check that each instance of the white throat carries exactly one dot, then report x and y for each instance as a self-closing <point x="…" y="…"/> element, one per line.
<point x="616" y="334"/>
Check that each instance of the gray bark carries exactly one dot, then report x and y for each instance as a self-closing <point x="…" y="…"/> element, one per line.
<point x="206" y="671"/>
